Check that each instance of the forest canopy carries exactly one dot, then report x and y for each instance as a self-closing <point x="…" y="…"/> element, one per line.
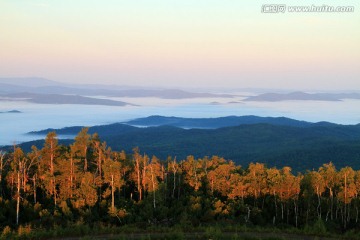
<point x="88" y="181"/>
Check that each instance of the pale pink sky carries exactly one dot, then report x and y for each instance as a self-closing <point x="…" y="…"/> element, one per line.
<point x="203" y="43"/>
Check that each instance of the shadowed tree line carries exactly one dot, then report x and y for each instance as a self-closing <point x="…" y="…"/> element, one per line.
<point x="88" y="182"/>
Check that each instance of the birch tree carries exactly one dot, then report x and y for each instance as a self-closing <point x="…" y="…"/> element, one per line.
<point x="3" y="163"/>
<point x="112" y="176"/>
<point x="81" y="145"/>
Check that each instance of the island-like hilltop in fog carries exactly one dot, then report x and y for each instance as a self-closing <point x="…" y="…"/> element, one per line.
<point x="43" y="91"/>
<point x="60" y="99"/>
<point x="12" y="111"/>
<point x="275" y="97"/>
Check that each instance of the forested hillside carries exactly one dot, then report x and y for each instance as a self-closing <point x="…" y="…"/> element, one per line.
<point x="229" y="121"/>
<point x="286" y="142"/>
<point x="89" y="182"/>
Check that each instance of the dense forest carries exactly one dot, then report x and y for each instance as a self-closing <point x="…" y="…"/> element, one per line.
<point x="87" y="181"/>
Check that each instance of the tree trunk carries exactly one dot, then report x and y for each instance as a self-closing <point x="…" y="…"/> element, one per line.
<point x="52" y="159"/>
<point x="18" y="198"/>
<point x="143" y="177"/>
<point x="179" y="186"/>
<point x="112" y="194"/>
<point x="296" y="214"/>
<point x="174" y="187"/>
<point x="275" y="202"/>
<point x="34" y="186"/>
<point x="138" y="178"/>
<point x="319" y="205"/>
<point x="357" y="214"/>
<point x="99" y="163"/>
<point x="287" y="213"/>
<point x="331" y="204"/>
<point x="71" y="176"/>
<point x="52" y="170"/>
<point x="85" y="159"/>
<point x="54" y="191"/>
<point x="19" y="170"/>
<point x="248" y="215"/>
<point x="23" y="178"/>
<point x="345" y="201"/>
<point x="153" y="186"/>
<point x="327" y="215"/>
<point x="337" y="209"/>
<point x="165" y="179"/>
<point x="174" y="174"/>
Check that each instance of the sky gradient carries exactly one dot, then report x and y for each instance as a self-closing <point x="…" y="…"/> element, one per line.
<point x="183" y="43"/>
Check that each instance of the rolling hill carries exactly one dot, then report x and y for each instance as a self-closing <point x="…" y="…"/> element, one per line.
<point x="214" y="122"/>
<point x="300" y="147"/>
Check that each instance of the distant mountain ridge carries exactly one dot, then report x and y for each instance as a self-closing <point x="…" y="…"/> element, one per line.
<point x="306" y="146"/>
<point x="219" y="122"/>
<point x="188" y="123"/>
<point x="44" y="86"/>
<point x="105" y="130"/>
<point x="60" y="99"/>
<point x="275" y="97"/>
<point x="29" y="82"/>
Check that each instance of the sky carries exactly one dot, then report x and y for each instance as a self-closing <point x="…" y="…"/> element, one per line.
<point x="182" y="43"/>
